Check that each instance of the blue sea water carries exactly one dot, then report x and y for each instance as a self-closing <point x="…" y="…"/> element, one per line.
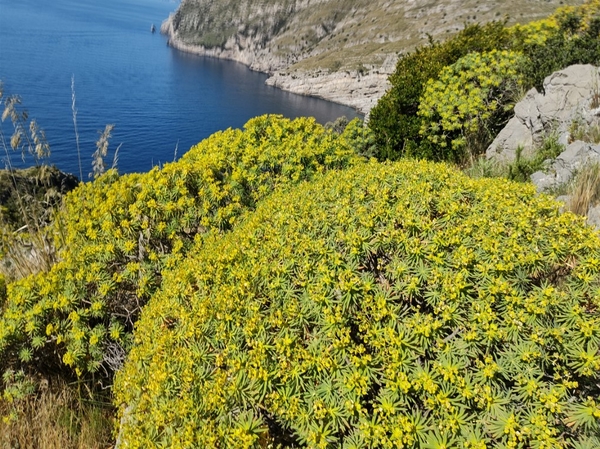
<point x="161" y="101"/>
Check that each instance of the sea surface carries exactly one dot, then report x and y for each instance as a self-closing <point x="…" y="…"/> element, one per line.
<point x="161" y="101"/>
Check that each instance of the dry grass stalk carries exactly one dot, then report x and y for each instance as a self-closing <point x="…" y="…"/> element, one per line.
<point x="74" y="109"/>
<point x="23" y="253"/>
<point x="585" y="190"/>
<point x="55" y="419"/>
<point x="101" y="151"/>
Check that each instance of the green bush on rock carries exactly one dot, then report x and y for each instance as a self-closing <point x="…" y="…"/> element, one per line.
<point x="569" y="36"/>
<point x="464" y="109"/>
<point x="383" y="306"/>
<point x="117" y="234"/>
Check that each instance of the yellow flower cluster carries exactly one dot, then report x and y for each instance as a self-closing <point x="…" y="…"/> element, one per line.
<point x="585" y="14"/>
<point x="538" y="32"/>
<point x="385" y="306"/>
<point x="468" y="101"/>
<point x="117" y="234"/>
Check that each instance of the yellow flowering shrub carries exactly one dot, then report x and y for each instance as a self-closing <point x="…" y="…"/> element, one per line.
<point x="469" y="103"/>
<point x="570" y="20"/>
<point x="569" y="36"/>
<point x="383" y="306"/>
<point x="536" y="32"/>
<point x="394" y="119"/>
<point x="118" y="233"/>
<point x="582" y="17"/>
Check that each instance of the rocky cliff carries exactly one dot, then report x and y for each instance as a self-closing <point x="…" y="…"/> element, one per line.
<point x="340" y="50"/>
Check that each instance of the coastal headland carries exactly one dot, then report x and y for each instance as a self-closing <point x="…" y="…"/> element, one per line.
<point x="341" y="51"/>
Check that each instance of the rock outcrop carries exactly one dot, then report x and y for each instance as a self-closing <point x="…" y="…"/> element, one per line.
<point x="348" y="82"/>
<point x="352" y="89"/>
<point x="193" y="34"/>
<point x="570" y="107"/>
<point x="561" y="170"/>
<point x="569" y="95"/>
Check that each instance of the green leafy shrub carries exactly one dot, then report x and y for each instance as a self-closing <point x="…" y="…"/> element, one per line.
<point x="522" y="167"/>
<point x="382" y="306"/>
<point x="394" y="119"/>
<point x="569" y="36"/>
<point x="118" y="233"/>
<point x="359" y="136"/>
<point x="469" y="103"/>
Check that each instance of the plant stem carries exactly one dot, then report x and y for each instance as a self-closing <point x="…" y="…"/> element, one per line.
<point x="75" y="125"/>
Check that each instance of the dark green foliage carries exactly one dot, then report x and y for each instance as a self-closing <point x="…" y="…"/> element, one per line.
<point x="394" y="119"/>
<point x="522" y="168"/>
<point x="560" y="50"/>
<point x="22" y="190"/>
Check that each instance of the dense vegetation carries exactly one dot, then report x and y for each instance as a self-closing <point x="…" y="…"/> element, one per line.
<point x="274" y="289"/>
<point x="400" y="305"/>
<point x="394" y="119"/>
<point x="117" y="234"/>
<point x="569" y="36"/>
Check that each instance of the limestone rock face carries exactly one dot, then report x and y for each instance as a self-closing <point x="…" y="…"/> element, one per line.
<point x="564" y="168"/>
<point x="568" y="95"/>
<point x="593" y="216"/>
<point x="263" y="48"/>
<point x="240" y="33"/>
<point x="566" y="165"/>
<point x="352" y="89"/>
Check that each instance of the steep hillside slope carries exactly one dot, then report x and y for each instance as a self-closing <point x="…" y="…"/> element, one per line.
<point x="337" y="49"/>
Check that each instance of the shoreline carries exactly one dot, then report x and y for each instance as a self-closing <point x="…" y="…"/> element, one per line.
<point x="358" y="91"/>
